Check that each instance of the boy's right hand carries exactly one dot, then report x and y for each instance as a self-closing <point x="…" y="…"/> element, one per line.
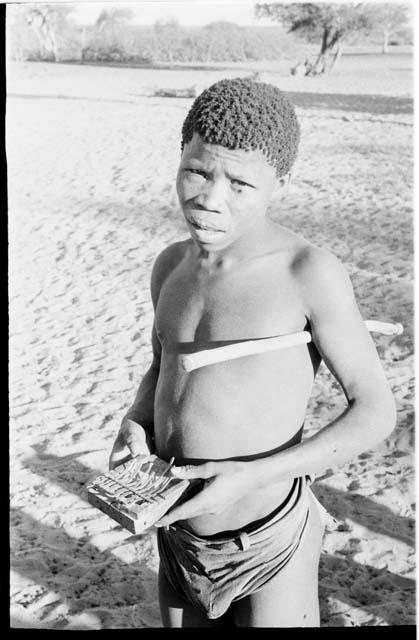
<point x="130" y="442"/>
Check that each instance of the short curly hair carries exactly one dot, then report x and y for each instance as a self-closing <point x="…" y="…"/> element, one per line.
<point x="240" y="113"/>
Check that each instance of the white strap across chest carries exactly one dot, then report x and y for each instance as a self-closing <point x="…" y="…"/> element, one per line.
<point x="239" y="349"/>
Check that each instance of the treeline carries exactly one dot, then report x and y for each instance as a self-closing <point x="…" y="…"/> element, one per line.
<point x="169" y="42"/>
<point x="48" y="32"/>
<point x="36" y="37"/>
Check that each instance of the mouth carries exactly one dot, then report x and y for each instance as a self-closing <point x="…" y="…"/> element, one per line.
<point x="202" y="220"/>
<point x="200" y="226"/>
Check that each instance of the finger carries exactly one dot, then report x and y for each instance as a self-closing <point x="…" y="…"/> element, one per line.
<point x="118" y="451"/>
<point x="136" y="447"/>
<point x="204" y="471"/>
<point x="118" y="457"/>
<point x="194" y="507"/>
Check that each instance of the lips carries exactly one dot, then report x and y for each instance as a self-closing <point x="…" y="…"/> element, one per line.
<point x="205" y="220"/>
<point x="201" y="226"/>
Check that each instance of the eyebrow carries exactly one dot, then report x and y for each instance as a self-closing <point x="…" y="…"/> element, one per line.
<point x="236" y="177"/>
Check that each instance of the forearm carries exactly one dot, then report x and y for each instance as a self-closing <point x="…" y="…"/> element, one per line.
<point x="360" y="427"/>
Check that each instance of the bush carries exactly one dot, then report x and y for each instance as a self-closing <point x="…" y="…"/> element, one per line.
<point x="166" y="42"/>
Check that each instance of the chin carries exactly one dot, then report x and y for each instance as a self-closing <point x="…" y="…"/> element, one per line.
<point x="213" y="243"/>
<point x="210" y="239"/>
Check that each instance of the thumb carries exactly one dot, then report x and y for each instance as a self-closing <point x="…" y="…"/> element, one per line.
<point x="205" y="470"/>
<point x="136" y="450"/>
<point x="134" y="446"/>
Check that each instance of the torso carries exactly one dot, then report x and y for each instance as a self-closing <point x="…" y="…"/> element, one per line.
<point x="239" y="409"/>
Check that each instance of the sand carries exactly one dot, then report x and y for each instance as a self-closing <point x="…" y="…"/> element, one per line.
<point x="92" y="158"/>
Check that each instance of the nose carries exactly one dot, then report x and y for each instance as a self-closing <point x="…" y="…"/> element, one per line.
<point x="212" y="196"/>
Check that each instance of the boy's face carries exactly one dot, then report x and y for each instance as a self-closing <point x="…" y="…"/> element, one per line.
<point x="223" y="193"/>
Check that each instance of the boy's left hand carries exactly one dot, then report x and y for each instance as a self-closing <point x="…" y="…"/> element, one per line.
<point x="226" y="482"/>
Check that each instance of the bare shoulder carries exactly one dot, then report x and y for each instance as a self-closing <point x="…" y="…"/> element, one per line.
<point x="164" y="264"/>
<point x="311" y="264"/>
<point x="320" y="276"/>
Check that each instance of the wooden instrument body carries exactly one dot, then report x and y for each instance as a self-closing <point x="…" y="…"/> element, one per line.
<point x="138" y="493"/>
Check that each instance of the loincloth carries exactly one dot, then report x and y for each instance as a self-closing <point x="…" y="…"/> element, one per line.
<point x="211" y="572"/>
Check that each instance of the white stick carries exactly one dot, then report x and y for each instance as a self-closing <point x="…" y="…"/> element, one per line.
<point x="250" y="347"/>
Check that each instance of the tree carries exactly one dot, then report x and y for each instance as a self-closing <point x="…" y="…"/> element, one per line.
<point x="48" y="22"/>
<point x="388" y="18"/>
<point x="112" y="19"/>
<point x="331" y="23"/>
<point x="109" y="37"/>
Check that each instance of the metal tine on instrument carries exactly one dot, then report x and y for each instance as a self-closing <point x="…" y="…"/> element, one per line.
<point x="157" y="482"/>
<point x="144" y="485"/>
<point x="138" y="494"/>
<point x="154" y="486"/>
<point x="166" y="478"/>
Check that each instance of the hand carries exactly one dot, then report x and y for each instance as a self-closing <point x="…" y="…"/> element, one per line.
<point x="131" y="441"/>
<point x="226" y="482"/>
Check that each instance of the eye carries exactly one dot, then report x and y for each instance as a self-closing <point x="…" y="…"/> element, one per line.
<point x="196" y="172"/>
<point x="239" y="185"/>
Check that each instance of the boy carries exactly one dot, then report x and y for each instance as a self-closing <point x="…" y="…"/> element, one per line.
<point x="245" y="548"/>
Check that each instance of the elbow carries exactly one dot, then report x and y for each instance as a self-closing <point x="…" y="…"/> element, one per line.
<point x="386" y="415"/>
<point x="379" y="415"/>
<point x="389" y="421"/>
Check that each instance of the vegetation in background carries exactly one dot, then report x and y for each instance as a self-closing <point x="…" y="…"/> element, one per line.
<point x="333" y="24"/>
<point x="48" y="32"/>
<point x="391" y="21"/>
<point x="38" y="31"/>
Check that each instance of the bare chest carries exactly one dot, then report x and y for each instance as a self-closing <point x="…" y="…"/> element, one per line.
<point x="200" y="310"/>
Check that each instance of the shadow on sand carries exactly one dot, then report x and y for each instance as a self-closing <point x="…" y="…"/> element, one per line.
<point x="74" y="571"/>
<point x="155" y="66"/>
<point x="40" y="562"/>
<point x="374" y="104"/>
<point x="361" y="586"/>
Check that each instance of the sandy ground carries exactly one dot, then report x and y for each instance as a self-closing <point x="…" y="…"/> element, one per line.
<point x="92" y="159"/>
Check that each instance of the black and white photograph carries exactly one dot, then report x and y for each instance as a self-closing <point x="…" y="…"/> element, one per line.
<point x="211" y="314"/>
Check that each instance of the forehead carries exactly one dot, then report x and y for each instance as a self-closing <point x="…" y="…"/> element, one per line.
<point x="198" y="149"/>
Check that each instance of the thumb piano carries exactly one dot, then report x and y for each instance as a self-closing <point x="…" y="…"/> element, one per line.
<point x="138" y="493"/>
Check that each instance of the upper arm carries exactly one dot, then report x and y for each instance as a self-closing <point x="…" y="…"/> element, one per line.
<point x="338" y="329"/>
<point x="163" y="266"/>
